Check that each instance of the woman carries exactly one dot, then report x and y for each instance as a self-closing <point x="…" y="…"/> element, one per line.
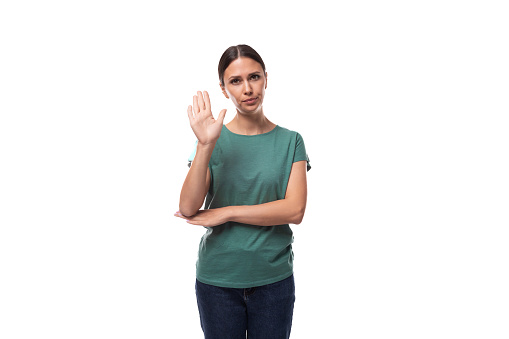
<point x="252" y="175"/>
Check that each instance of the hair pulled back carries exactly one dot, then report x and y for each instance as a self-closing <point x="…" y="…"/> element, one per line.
<point x="232" y="53"/>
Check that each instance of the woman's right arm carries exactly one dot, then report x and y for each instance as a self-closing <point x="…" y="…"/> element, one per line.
<point x="207" y="130"/>
<point x="197" y="181"/>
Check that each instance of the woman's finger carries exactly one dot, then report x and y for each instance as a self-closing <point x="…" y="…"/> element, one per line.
<point x="221" y="116"/>
<point x="200" y="101"/>
<point x="190" y="113"/>
<point x="207" y="100"/>
<point x="178" y="214"/>
<point x="197" y="223"/>
<point x="195" y="105"/>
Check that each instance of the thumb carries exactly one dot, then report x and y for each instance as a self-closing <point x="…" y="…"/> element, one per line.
<point x="221" y="116"/>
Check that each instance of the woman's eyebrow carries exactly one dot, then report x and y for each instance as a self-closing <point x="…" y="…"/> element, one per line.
<point x="238" y="76"/>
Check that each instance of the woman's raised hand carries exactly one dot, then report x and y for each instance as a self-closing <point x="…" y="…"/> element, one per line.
<point x="205" y="127"/>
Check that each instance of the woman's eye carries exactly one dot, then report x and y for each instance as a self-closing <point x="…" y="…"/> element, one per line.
<point x="237" y="81"/>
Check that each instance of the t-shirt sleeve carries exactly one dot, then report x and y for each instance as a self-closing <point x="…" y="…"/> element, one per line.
<point x="300" y="151"/>
<point x="193" y="153"/>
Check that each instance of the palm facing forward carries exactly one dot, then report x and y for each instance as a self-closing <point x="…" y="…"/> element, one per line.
<point x="205" y="127"/>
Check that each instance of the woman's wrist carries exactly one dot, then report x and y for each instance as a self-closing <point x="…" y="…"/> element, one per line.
<point x="206" y="147"/>
<point x="228" y="213"/>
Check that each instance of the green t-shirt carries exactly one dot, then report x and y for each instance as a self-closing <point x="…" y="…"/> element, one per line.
<point x="249" y="170"/>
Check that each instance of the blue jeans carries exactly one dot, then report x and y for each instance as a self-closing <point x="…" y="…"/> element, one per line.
<point x="265" y="312"/>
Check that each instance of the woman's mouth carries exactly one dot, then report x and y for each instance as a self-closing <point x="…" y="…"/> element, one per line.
<point x="251" y="101"/>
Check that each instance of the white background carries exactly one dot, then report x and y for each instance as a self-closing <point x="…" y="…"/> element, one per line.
<point x="403" y="108"/>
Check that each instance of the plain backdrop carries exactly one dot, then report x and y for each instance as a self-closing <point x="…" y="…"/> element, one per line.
<point x="403" y="107"/>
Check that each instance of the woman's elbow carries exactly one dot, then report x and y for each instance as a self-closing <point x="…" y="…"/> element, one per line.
<point x="187" y="211"/>
<point x="298" y="216"/>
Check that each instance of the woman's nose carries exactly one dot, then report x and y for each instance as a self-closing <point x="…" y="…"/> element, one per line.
<point x="247" y="88"/>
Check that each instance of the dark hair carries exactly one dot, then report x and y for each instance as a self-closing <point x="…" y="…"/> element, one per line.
<point x="232" y="53"/>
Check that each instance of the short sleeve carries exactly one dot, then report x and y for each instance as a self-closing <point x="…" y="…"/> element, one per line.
<point x="191" y="157"/>
<point x="300" y="151"/>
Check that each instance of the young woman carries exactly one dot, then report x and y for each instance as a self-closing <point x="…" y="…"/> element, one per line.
<point x="251" y="173"/>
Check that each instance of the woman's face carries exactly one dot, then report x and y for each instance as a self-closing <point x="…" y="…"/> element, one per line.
<point x="245" y="84"/>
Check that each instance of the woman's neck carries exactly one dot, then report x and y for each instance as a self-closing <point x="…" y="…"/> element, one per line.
<point x="250" y="124"/>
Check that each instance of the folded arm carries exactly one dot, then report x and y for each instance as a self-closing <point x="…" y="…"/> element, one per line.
<point x="197" y="182"/>
<point x="289" y="210"/>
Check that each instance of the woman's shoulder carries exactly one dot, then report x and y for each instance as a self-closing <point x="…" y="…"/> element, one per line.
<point x="289" y="133"/>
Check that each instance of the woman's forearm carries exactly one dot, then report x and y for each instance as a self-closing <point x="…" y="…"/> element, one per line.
<point x="194" y="189"/>
<point x="277" y="212"/>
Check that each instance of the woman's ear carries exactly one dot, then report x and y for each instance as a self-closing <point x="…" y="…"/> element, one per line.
<point x="224" y="91"/>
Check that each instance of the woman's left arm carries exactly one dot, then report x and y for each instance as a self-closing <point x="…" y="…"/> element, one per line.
<point x="289" y="210"/>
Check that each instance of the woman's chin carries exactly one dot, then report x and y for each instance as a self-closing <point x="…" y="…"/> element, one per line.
<point x="250" y="109"/>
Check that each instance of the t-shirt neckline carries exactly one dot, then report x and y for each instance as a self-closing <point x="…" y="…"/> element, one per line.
<point x="254" y="135"/>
